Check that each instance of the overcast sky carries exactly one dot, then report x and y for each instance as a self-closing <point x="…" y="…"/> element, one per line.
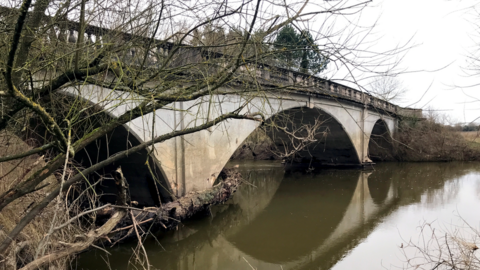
<point x="444" y="34"/>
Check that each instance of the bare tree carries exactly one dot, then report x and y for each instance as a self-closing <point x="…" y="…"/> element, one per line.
<point x="387" y="88"/>
<point x="437" y="249"/>
<point x="298" y="137"/>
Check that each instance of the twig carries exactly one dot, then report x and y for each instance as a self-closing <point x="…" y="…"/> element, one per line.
<point x="248" y="183"/>
<point x="436" y="266"/>
<point x="130" y="226"/>
<point x="80" y="215"/>
<point x="451" y="256"/>
<point x="41" y="246"/>
<point x="102" y="249"/>
<point x="91" y="236"/>
<point x="133" y="208"/>
<point x="28" y="153"/>
<point x="249" y="263"/>
<point x="140" y="240"/>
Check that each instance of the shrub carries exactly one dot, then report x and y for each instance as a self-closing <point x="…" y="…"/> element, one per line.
<point x="428" y="140"/>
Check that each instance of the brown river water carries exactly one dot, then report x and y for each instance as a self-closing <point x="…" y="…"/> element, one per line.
<point x="330" y="219"/>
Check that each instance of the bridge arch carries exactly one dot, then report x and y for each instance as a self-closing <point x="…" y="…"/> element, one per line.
<point x="333" y="144"/>
<point x="380" y="144"/>
<point x="147" y="183"/>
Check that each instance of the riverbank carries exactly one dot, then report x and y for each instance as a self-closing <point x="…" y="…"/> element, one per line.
<point x="428" y="140"/>
<point x="257" y="146"/>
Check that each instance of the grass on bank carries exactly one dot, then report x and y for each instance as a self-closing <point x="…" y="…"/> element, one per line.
<point x="472" y="137"/>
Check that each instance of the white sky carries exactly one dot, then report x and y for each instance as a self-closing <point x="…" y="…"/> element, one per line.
<point x="444" y="32"/>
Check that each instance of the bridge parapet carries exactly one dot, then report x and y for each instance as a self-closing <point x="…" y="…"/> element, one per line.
<point x="309" y="83"/>
<point x="272" y="76"/>
<point x="269" y="75"/>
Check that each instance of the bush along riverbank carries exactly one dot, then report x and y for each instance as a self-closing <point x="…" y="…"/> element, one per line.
<point x="415" y="140"/>
<point x="38" y="238"/>
<point x="427" y="140"/>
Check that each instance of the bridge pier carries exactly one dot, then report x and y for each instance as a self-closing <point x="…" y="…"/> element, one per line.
<point x="179" y="152"/>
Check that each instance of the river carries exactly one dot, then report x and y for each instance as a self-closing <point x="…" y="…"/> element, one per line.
<point x="330" y="219"/>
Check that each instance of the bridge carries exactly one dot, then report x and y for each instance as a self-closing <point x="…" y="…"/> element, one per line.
<point x="355" y="128"/>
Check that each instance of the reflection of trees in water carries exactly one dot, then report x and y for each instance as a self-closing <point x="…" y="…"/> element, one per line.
<point x="431" y="183"/>
<point x="450" y="190"/>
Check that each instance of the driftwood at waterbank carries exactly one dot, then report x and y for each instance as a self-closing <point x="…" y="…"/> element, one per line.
<point x="168" y="216"/>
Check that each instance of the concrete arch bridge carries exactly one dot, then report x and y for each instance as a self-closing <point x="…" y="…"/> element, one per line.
<point x="351" y="133"/>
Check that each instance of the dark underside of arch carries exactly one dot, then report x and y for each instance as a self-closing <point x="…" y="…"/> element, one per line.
<point x="332" y="147"/>
<point x="380" y="147"/>
<point x="147" y="186"/>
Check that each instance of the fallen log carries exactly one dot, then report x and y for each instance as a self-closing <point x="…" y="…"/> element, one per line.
<point x="170" y="215"/>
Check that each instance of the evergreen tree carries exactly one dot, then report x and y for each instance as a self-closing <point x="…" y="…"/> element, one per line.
<point x="287" y="42"/>
<point x="312" y="59"/>
<point x="299" y="51"/>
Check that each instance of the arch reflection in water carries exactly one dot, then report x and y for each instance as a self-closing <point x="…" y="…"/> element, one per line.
<point x="297" y="221"/>
<point x="311" y="218"/>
